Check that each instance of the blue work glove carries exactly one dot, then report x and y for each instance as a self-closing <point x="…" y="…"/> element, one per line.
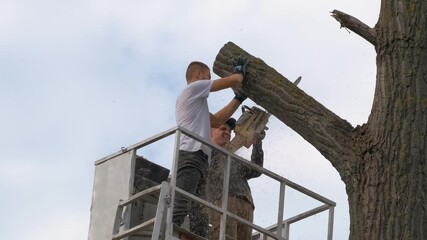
<point x="239" y="96"/>
<point x="239" y="65"/>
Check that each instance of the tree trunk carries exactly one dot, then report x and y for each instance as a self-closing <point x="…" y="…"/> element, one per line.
<point x="383" y="163"/>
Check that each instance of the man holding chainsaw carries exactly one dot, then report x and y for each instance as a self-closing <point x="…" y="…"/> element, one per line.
<point x="192" y="113"/>
<point x="240" y="200"/>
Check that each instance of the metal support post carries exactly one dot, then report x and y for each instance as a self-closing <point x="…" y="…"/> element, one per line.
<point x="331" y="222"/>
<point x="281" y="210"/>
<point x="160" y="211"/>
<point x="224" y="208"/>
<point x="169" y="227"/>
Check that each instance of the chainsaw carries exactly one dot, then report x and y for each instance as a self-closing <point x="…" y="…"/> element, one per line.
<point x="252" y="122"/>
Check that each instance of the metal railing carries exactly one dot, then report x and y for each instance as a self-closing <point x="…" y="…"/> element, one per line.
<point x="152" y="226"/>
<point x="280" y="231"/>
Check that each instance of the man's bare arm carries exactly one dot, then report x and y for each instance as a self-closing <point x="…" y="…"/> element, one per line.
<point x="231" y="81"/>
<point x="224" y="114"/>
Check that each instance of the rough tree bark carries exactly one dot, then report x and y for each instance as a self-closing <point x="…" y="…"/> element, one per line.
<point x="383" y="163"/>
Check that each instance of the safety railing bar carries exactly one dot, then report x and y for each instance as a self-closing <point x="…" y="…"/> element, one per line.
<point x="142" y="194"/>
<point x="242" y="160"/>
<point x="306" y="214"/>
<point x="262" y="170"/>
<point x="263" y="233"/>
<point x="138" y="145"/>
<point x="207" y="204"/>
<point x="216" y="208"/>
<point x="200" y="200"/>
<point x="276" y="177"/>
<point x="154" y="190"/>
<point x="289" y="183"/>
<point x="291" y="219"/>
<point x="253" y="226"/>
<point x="309" y="193"/>
<point x="154" y="138"/>
<point x="238" y="158"/>
<point x="212" y="206"/>
<point x="137" y="228"/>
<point x="234" y="156"/>
<point x="282" y="180"/>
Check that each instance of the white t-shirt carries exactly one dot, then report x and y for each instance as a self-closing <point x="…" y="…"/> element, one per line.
<point x="192" y="113"/>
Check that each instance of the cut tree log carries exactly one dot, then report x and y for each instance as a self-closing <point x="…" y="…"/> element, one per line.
<point x="283" y="99"/>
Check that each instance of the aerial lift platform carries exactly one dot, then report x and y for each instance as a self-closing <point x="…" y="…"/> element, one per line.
<point x="133" y="197"/>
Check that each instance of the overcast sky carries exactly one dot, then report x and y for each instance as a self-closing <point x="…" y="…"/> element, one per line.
<point x="81" y="79"/>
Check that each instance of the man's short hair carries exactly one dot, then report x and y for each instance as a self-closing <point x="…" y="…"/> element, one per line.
<point x="194" y="67"/>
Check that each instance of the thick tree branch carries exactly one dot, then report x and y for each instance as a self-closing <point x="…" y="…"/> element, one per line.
<point x="356" y="26"/>
<point x="328" y="133"/>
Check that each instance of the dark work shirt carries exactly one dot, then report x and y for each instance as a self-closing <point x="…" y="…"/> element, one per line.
<point x="239" y="174"/>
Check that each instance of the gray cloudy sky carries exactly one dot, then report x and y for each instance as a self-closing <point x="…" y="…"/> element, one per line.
<point x="80" y="79"/>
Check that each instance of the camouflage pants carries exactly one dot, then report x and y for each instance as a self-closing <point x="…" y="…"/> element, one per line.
<point x="234" y="230"/>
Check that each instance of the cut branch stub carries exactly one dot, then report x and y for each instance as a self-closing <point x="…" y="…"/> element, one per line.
<point x="356" y="26"/>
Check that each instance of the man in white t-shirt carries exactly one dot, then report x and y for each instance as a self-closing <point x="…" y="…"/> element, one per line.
<point x="192" y="113"/>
